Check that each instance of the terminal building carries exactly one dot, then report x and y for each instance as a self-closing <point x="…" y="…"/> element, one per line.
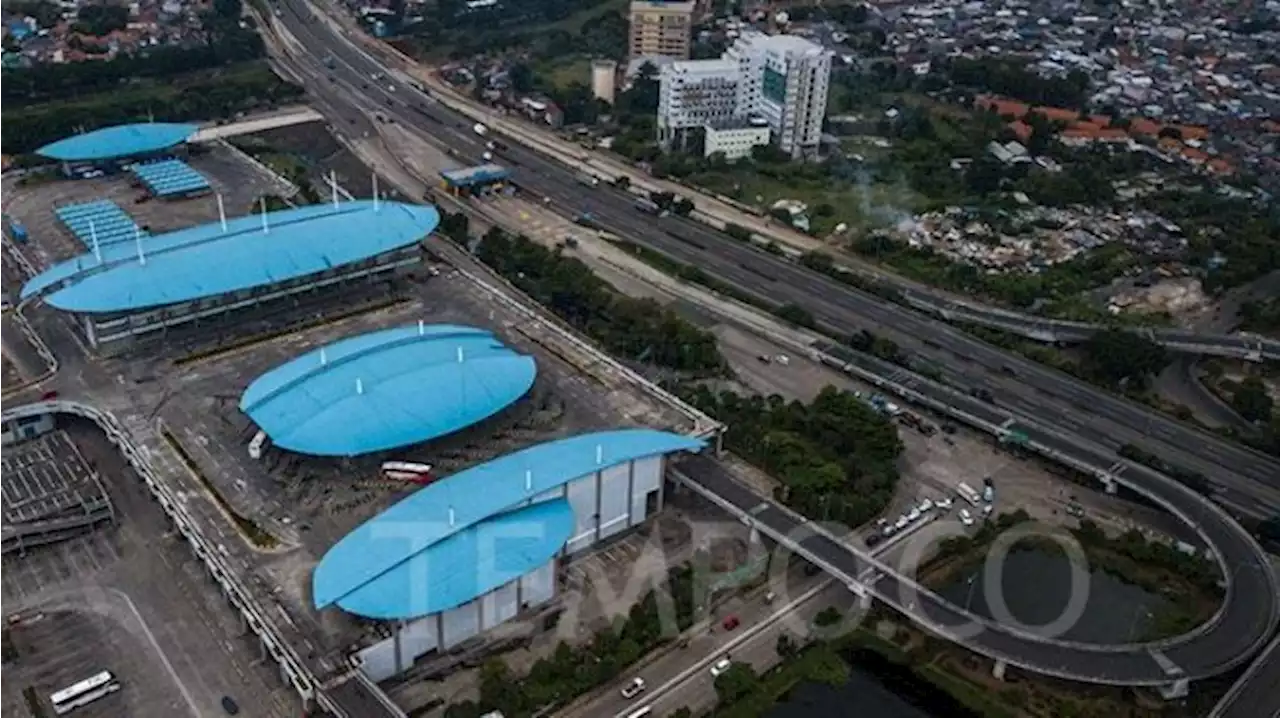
<point x="484" y="546"/>
<point x="150" y="151"/>
<point x="130" y="285"/>
<point x="472" y="550"/>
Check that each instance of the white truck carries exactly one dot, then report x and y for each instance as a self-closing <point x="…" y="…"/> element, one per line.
<point x="967" y="493"/>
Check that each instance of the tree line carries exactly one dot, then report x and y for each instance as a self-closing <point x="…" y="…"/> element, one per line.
<point x="571" y="671"/>
<point x="637" y="329"/>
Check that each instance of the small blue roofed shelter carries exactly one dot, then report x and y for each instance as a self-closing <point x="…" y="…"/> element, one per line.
<point x="170" y="178"/>
<point x="387" y="389"/>
<point x="468" y="537"/>
<point x="119" y="141"/>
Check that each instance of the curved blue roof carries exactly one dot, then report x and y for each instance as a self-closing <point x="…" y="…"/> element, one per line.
<point x="470" y="563"/>
<point x="386" y="389"/>
<point x="206" y="261"/>
<point x="118" y="141"/>
<point x="388" y="544"/>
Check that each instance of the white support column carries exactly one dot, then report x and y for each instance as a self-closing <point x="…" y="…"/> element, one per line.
<point x="998" y="670"/>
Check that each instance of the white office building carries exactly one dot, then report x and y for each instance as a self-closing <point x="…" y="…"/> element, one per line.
<point x="695" y="93"/>
<point x="782" y="79"/>
<point x="735" y="140"/>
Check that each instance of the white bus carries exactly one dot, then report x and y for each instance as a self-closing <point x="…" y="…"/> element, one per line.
<point x="84" y="692"/>
<point x="967" y="493"/>
<point x="407" y="471"/>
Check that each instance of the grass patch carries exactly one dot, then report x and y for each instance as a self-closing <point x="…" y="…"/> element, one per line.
<point x="248" y="528"/>
<point x="573" y="24"/>
<point x="561" y="72"/>
<point x="976" y="698"/>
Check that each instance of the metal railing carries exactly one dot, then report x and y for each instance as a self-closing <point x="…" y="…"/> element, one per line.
<point x="293" y="671"/>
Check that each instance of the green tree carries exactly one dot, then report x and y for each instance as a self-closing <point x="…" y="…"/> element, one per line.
<point x="796" y="314"/>
<point x="1119" y="357"/>
<point x="736" y="682"/>
<point x="1252" y="401"/>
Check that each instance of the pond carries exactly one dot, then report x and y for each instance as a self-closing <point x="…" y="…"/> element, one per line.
<point x="876" y="688"/>
<point x="1036" y="586"/>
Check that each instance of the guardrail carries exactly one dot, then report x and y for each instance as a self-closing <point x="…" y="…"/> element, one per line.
<point x="292" y="670"/>
<point x="1223" y="705"/>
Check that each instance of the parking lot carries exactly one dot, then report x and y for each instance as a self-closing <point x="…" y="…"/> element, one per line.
<point x="133" y="599"/>
<point x="45" y="479"/>
<point x="239" y="182"/>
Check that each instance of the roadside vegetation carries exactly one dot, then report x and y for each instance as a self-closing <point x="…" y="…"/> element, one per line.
<point x="222" y="76"/>
<point x="572" y="671"/>
<point x="640" y="330"/>
<point x="836" y="456"/>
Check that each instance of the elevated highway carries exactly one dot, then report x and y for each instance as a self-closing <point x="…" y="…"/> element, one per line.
<point x="1250" y="610"/>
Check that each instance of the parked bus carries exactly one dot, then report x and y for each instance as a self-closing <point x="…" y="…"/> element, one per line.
<point x="967" y="493"/>
<point x="407" y="471"/>
<point x="84" y="692"/>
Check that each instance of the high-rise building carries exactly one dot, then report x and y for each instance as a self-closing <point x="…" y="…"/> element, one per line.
<point x="693" y="94"/>
<point x="780" y="79"/>
<point x="661" y="28"/>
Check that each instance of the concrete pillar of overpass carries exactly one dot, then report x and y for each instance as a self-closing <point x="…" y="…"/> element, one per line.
<point x="262" y="649"/>
<point x="998" y="670"/>
<point x="1110" y="484"/>
<point x="395" y="637"/>
<point x="1176" y="690"/>
<point x="864" y="601"/>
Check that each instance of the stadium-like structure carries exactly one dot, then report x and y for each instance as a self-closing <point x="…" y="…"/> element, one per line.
<point x="472" y="550"/>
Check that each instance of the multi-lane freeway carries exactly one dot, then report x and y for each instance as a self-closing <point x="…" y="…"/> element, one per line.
<point x="1079" y="419"/>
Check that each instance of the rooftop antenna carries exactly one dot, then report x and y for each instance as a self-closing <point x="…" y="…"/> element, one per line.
<point x="422" y="327"/>
<point x="265" y="228"/>
<point x="452" y="518"/>
<point x="324" y="358"/>
<point x="528" y="479"/>
<point x="359" y="385"/>
<point x="137" y="239"/>
<point x="333" y="184"/>
<point x="459" y="354"/>
<point x="375" y="191"/>
<point x="93" y="233"/>
<point x="222" y="213"/>
<point x="599" y="454"/>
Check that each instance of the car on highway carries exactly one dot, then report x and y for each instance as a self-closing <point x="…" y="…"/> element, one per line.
<point x="901" y="523"/>
<point x="914" y="514"/>
<point x="230" y="706"/>
<point x="925" y="506"/>
<point x="720" y="667"/>
<point x="634" y="688"/>
<point x="966" y="518"/>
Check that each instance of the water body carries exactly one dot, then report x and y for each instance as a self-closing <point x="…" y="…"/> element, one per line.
<point x="876" y="689"/>
<point x="1036" y="587"/>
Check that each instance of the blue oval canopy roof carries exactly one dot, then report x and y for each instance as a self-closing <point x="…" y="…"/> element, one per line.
<point x="470" y="563"/>
<point x="385" y="544"/>
<point x="118" y="141"/>
<point x="207" y="261"/>
<point x="387" y="389"/>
